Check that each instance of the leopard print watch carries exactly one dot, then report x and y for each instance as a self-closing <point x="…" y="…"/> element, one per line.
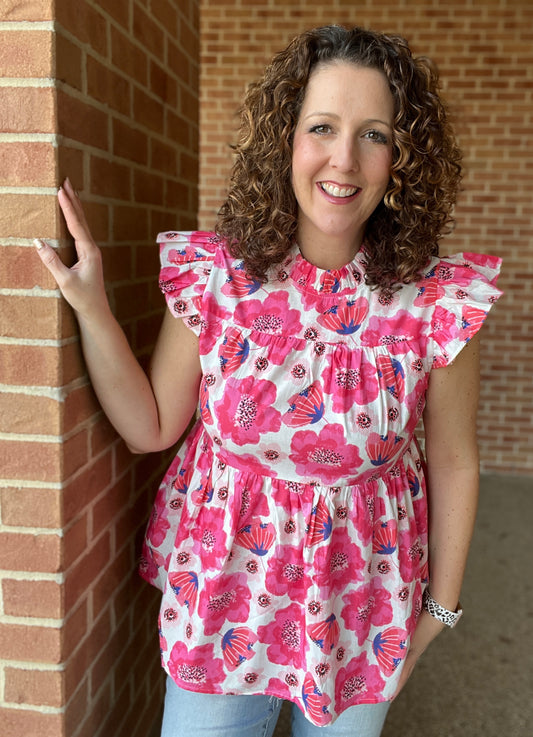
<point x="439" y="612"/>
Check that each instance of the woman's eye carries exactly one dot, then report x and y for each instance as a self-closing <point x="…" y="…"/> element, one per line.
<point x="377" y="136"/>
<point x="321" y="129"/>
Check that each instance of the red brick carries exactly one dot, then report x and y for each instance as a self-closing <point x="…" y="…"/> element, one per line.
<point x="148" y="111"/>
<point x="27" y="552"/>
<point x="130" y="224"/>
<point x="110" y="179"/>
<point x="129" y="142"/>
<point x="30" y="10"/>
<point x="32" y="598"/>
<point x="32" y="461"/>
<point x="117" y="9"/>
<point x="81" y="121"/>
<point x="28" y="216"/>
<point x="31" y="507"/>
<point x="128" y="57"/>
<point x="86" y="487"/>
<point x="108" y="87"/>
<point x="76" y="631"/>
<point x="27" y="164"/>
<point x="74" y="541"/>
<point x="41" y="688"/>
<point x="148" y="188"/>
<point x="26" y="53"/>
<point x="69" y="61"/>
<point x="75" y="453"/>
<point x="33" y="644"/>
<point x="81" y="576"/>
<point x="17" y="722"/>
<point x="79" y="406"/>
<point x="147" y="33"/>
<point x="24" y="413"/>
<point x="21" y="268"/>
<point x="27" y="110"/>
<point x="85" y="23"/>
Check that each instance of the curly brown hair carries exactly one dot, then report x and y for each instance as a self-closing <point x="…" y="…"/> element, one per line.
<point x="259" y="216"/>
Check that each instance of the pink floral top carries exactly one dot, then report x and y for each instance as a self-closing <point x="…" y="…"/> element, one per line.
<point x="289" y="535"/>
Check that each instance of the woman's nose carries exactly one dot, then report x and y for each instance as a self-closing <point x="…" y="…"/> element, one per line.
<point x="344" y="154"/>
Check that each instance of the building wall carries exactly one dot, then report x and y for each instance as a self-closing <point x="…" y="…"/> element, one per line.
<point x="106" y="92"/>
<point x="484" y="51"/>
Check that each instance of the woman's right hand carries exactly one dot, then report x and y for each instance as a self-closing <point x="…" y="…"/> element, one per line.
<point x="82" y="285"/>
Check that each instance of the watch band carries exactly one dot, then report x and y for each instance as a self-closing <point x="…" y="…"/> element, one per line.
<point x="439" y="612"/>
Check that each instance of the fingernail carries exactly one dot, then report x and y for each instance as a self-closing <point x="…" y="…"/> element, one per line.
<point x="38" y="244"/>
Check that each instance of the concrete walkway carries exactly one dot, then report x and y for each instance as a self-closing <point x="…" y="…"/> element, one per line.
<point x="477" y="680"/>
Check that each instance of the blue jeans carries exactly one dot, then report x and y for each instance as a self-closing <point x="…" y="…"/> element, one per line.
<point x="191" y="714"/>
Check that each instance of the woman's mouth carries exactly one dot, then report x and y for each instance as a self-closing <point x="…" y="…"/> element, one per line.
<point x="334" y="190"/>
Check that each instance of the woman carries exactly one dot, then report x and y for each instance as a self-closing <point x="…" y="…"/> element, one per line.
<point x="290" y="537"/>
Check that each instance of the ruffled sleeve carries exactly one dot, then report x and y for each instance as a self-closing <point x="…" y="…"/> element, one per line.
<point x="462" y="289"/>
<point x="186" y="262"/>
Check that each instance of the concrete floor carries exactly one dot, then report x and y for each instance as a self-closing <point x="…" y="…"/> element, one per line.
<point x="477" y="680"/>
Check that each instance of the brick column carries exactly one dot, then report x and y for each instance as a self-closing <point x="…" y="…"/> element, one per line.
<point x="105" y="92"/>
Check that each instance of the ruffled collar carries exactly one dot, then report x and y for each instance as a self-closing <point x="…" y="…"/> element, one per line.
<point x="310" y="278"/>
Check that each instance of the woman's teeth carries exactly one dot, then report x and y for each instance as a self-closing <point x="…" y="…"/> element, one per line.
<point x="335" y="191"/>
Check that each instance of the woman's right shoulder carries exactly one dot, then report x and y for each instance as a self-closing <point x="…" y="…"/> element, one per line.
<point x="186" y="247"/>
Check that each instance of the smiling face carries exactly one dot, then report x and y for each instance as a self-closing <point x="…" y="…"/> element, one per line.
<point x="341" y="159"/>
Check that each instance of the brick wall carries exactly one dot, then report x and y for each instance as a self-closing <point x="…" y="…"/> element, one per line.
<point x="105" y="91"/>
<point x="484" y="51"/>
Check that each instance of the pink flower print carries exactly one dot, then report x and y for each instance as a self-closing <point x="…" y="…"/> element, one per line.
<point x="184" y="584"/>
<point x="345" y="318"/>
<point x="325" y="634"/>
<point x="316" y="703"/>
<point x="209" y="538"/>
<point x="320" y="524"/>
<point x="325" y="456"/>
<point x="233" y="351"/>
<point x="367" y="606"/>
<point x="150" y="564"/>
<point x="382" y="449"/>
<point x="429" y="291"/>
<point x="272" y="315"/>
<point x="292" y="497"/>
<point x="385" y="537"/>
<point x="391" y="376"/>
<point x="337" y="564"/>
<point x="444" y="327"/>
<point x="239" y="284"/>
<point x="245" y="411"/>
<point x="196" y="669"/>
<point x="355" y="683"/>
<point x="224" y="598"/>
<point x="306" y="407"/>
<point x="410" y="552"/>
<point x="280" y="689"/>
<point x="285" y="637"/>
<point x="237" y="645"/>
<point x="159" y="525"/>
<point x="397" y="333"/>
<point x="257" y="537"/>
<point x="213" y="315"/>
<point x="471" y="321"/>
<point x="248" y="463"/>
<point x="174" y="282"/>
<point x="286" y="573"/>
<point x="349" y="379"/>
<point x="390" y="648"/>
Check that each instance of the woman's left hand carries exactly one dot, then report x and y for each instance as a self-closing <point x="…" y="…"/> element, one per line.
<point x="426" y="630"/>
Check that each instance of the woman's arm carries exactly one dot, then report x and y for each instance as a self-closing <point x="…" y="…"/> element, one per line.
<point x="453" y="481"/>
<point x="149" y="412"/>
